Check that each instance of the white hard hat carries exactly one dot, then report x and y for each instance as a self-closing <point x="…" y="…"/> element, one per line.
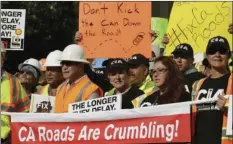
<point x="53" y="59"/>
<point x="3" y="49"/>
<point x="74" y="53"/>
<point x="32" y="62"/>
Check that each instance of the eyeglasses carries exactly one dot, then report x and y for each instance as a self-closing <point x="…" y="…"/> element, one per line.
<point x="222" y="51"/>
<point x="160" y="71"/>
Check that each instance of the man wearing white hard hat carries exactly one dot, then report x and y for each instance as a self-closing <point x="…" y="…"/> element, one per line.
<point x="29" y="75"/>
<point x="13" y="98"/>
<point x="53" y="73"/>
<point x="77" y="87"/>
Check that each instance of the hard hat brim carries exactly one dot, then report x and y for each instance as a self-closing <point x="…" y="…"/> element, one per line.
<point x="52" y="65"/>
<point x="81" y="61"/>
<point x="23" y="64"/>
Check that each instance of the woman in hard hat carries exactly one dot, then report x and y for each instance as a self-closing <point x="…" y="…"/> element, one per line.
<point x="77" y="87"/>
<point x="118" y="75"/>
<point x="53" y="73"/>
<point x="29" y="74"/>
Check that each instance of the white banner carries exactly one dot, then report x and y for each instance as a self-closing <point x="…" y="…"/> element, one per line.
<point x="13" y="28"/>
<point x="42" y="104"/>
<point x="108" y="103"/>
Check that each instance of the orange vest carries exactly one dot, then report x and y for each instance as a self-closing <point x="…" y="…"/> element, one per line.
<point x="196" y="87"/>
<point x="79" y="91"/>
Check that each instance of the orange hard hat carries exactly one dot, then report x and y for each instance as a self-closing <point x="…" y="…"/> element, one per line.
<point x="42" y="62"/>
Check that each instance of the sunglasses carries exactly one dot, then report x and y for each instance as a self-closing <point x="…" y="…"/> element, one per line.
<point x="222" y="51"/>
<point x="160" y="71"/>
<point x="134" y="66"/>
<point x="69" y="63"/>
<point x="176" y="56"/>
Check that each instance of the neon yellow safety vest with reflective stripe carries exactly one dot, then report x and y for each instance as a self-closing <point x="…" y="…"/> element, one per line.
<point x="148" y="85"/>
<point x="138" y="100"/>
<point x="44" y="90"/>
<point x="13" y="99"/>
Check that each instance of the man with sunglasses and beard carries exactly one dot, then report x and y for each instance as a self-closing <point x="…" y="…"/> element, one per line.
<point x="184" y="58"/>
<point x="211" y="118"/>
<point x="118" y="75"/>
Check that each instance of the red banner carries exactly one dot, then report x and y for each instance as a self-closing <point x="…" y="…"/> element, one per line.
<point x="159" y="124"/>
<point x="175" y="128"/>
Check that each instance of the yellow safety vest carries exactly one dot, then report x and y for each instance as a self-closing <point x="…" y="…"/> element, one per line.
<point x="138" y="100"/>
<point x="13" y="99"/>
<point x="44" y="90"/>
<point x="148" y="85"/>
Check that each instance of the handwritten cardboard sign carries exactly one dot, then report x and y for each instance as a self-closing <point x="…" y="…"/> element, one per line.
<point x="115" y="29"/>
<point x="13" y="28"/>
<point x="108" y="103"/>
<point x="42" y="104"/>
<point x="196" y="22"/>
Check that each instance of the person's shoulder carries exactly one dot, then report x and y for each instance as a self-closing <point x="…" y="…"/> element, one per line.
<point x="152" y="96"/>
<point x="150" y="99"/>
<point x="197" y="75"/>
<point x="136" y="90"/>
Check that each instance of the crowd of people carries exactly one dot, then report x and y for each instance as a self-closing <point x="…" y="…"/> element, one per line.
<point x="70" y="77"/>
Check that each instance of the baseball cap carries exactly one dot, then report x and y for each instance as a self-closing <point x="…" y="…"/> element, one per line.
<point x="138" y="59"/>
<point x="184" y="49"/>
<point x="106" y="62"/>
<point x="28" y="68"/>
<point x="100" y="71"/>
<point x="116" y="65"/>
<point x="220" y="44"/>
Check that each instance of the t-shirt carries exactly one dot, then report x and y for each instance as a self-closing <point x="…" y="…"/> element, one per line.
<point x="209" y="120"/>
<point x="190" y="79"/>
<point x="128" y="96"/>
<point x="154" y="99"/>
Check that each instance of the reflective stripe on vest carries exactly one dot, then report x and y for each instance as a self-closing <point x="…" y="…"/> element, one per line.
<point x="80" y="94"/>
<point x="138" y="100"/>
<point x="148" y="85"/>
<point x="79" y="91"/>
<point x="10" y="105"/>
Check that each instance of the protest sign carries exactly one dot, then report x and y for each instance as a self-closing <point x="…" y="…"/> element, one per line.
<point x="115" y="29"/>
<point x="13" y="28"/>
<point x="160" y="124"/>
<point x="196" y="22"/>
<point x="229" y="117"/>
<point x="159" y="25"/>
<point x="108" y="103"/>
<point x="42" y="104"/>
